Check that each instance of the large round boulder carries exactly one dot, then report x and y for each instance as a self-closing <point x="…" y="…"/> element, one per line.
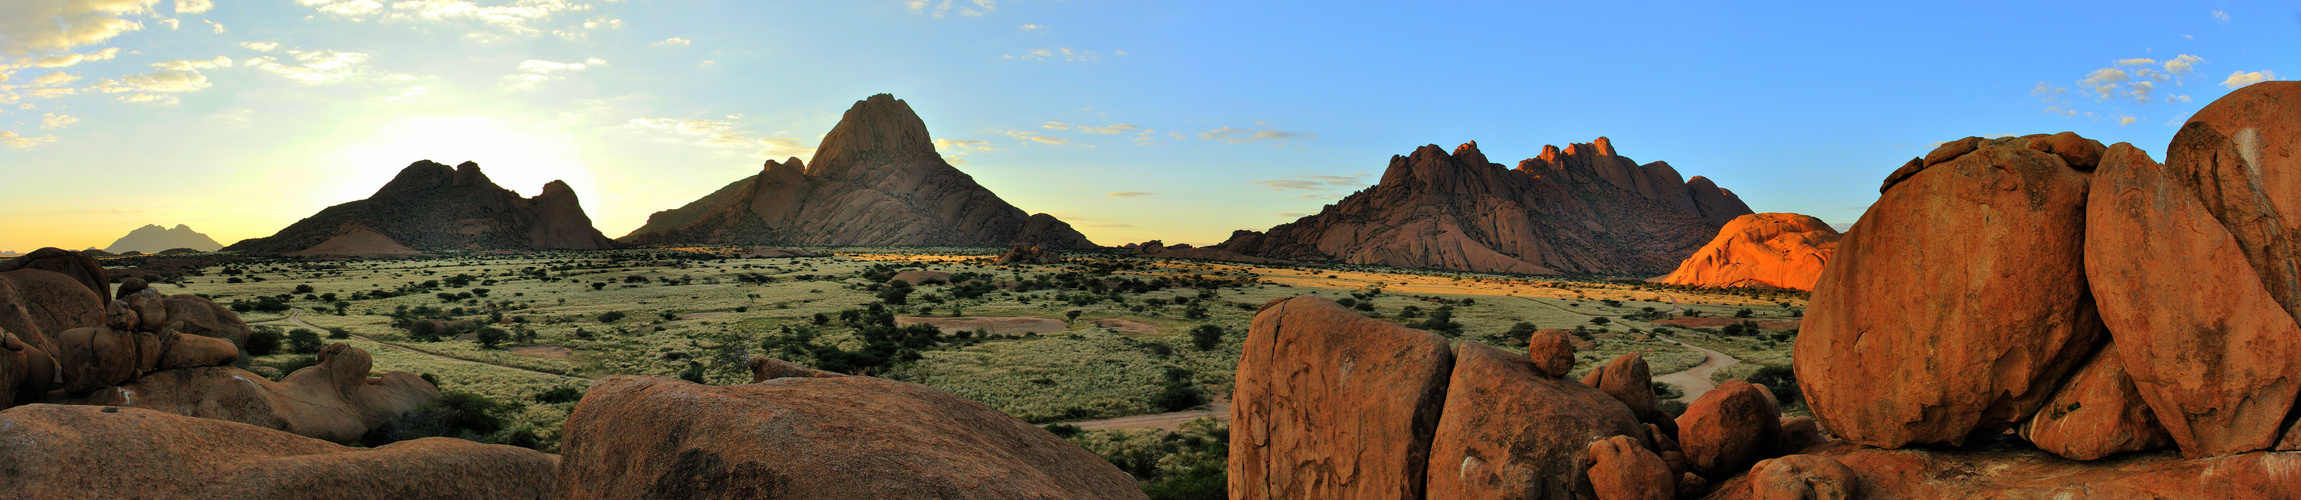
<point x="810" y="437"/>
<point x="333" y="400"/>
<point x="2097" y="413"/>
<point x="1623" y="469"/>
<point x="2197" y="327"/>
<point x="53" y="451"/>
<point x="1511" y="430"/>
<point x="1729" y="428"/>
<point x="1319" y="383"/>
<point x="1957" y="303"/>
<point x="40" y="305"/>
<point x="1630" y="381"/>
<point x="79" y="267"/>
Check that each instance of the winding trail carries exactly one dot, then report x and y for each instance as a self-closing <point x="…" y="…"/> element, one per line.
<point x="1694" y="382"/>
<point x="296" y="317"/>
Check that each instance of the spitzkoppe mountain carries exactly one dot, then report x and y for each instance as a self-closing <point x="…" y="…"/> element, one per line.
<point x="153" y="238"/>
<point x="1582" y="209"/>
<point x="431" y="206"/>
<point x="875" y="181"/>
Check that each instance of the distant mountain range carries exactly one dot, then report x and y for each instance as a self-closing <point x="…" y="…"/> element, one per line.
<point x="430" y="206"/>
<point x="876" y="180"/>
<point x="153" y="239"/>
<point x="1578" y="210"/>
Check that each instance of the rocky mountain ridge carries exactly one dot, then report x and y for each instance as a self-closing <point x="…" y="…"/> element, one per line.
<point x="876" y="180"/>
<point x="431" y="206"/>
<point x="1582" y="209"/>
<point x="153" y="239"/>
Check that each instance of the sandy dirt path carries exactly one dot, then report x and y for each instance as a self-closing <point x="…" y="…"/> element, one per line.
<point x="1220" y="410"/>
<point x="1696" y="381"/>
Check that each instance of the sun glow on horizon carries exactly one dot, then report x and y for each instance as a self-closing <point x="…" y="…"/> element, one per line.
<point x="519" y="160"/>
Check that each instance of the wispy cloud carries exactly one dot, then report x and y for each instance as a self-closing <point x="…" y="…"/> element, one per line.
<point x="722" y="134"/>
<point x="673" y="41"/>
<point x="52" y="121"/>
<point x="950" y="146"/>
<point x="1058" y="54"/>
<point x="533" y="72"/>
<point x="30" y="27"/>
<point x="1035" y="137"/>
<point x="261" y="46"/>
<point x="1130" y="194"/>
<point x="1314" y="182"/>
<point x="516" y="17"/>
<point x="946" y="7"/>
<point x="1028" y="27"/>
<point x="12" y="140"/>
<point x="1091" y="129"/>
<point x="1236" y="135"/>
<point x="2139" y="81"/>
<point x="312" y="67"/>
<point x="2223" y="17"/>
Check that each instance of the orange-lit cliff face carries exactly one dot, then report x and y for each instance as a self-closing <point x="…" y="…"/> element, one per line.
<point x="1772" y="249"/>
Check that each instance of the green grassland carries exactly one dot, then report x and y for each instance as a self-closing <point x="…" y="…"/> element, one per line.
<point x="691" y="314"/>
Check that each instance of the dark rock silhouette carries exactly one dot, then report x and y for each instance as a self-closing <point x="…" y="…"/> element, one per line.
<point x="156" y="239"/>
<point x="431" y="206"/>
<point x="876" y="180"/>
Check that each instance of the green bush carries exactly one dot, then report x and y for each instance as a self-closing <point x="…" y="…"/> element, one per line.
<point x="455" y="414"/>
<point x="264" y="341"/>
<point x="304" y="341"/>
<point x="611" y="316"/>
<point x="1782" y="380"/>
<point x="1206" y="337"/>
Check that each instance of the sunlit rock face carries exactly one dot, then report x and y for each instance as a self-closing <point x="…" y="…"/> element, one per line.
<point x="1582" y="209"/>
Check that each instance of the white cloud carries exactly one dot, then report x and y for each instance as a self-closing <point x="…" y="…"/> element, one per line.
<point x="53" y="121"/>
<point x="2184" y="65"/>
<point x="520" y="17"/>
<point x="1018" y="134"/>
<point x="953" y="146"/>
<point x="940" y="9"/>
<point x="533" y="72"/>
<point x="20" y="142"/>
<point x="1237" y="135"/>
<point x="1314" y="182"/>
<point x="2241" y="78"/>
<point x="673" y="41"/>
<point x="2223" y="17"/>
<point x="721" y="134"/>
<point x="219" y="26"/>
<point x="193" y="6"/>
<point x="260" y="46"/>
<point x="156" y="87"/>
<point x="54" y="79"/>
<point x="1028" y="27"/>
<point x="1066" y="54"/>
<point x="33" y="26"/>
<point x="194" y="64"/>
<point x="408" y="96"/>
<point x="313" y="67"/>
<point x="1130" y="194"/>
<point x="2125" y="119"/>
<point x="66" y="60"/>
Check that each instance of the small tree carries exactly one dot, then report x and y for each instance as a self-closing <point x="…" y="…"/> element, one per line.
<point x="611" y="316"/>
<point x="262" y="342"/>
<point x="1071" y="315"/>
<point x="1601" y="321"/>
<point x="490" y="337"/>
<point x="1206" y="337"/>
<point x="339" y="333"/>
<point x="304" y="341"/>
<point x="1744" y="313"/>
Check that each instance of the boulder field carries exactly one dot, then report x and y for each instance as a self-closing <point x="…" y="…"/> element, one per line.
<point x="1332" y="404"/>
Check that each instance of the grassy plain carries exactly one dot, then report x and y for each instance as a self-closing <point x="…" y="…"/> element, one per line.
<point x="692" y="313"/>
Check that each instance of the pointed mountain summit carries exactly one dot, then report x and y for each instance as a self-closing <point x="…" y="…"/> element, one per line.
<point x="152" y="239"/>
<point x="876" y="180"/>
<point x="1579" y="210"/>
<point x="431" y="206"/>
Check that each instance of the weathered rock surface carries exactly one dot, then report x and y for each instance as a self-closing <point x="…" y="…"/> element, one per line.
<point x="2029" y="473"/>
<point x="1552" y="352"/>
<point x="1156" y="248"/>
<point x="52" y="451"/>
<point x="432" y="206"/>
<point x="334" y="400"/>
<point x="1729" y="428"/>
<point x="1956" y="304"/>
<point x="155" y="239"/>
<point x="2097" y="413"/>
<point x="1776" y="250"/>
<point x="1510" y="431"/>
<point x="357" y="241"/>
<point x="1333" y="404"/>
<point x="764" y="369"/>
<point x="197" y="315"/>
<point x="1803" y="477"/>
<point x="2207" y="345"/>
<point x="79" y="267"/>
<point x="26" y="372"/>
<point x="803" y="437"/>
<point x="1578" y="210"/>
<point x="1022" y="254"/>
<point x="1623" y="469"/>
<point x="2241" y="157"/>
<point x="1630" y="381"/>
<point x="875" y="181"/>
<point x="40" y="305"/>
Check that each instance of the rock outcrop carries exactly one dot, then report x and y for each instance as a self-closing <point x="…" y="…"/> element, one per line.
<point x="1021" y="254"/>
<point x="334" y="400"/>
<point x="76" y="265"/>
<point x="814" y="437"/>
<point x="155" y="239"/>
<point x="38" y="306"/>
<point x="2017" y="473"/>
<point x="431" y="206"/>
<point x="876" y="180"/>
<point x="2205" y="340"/>
<point x="1957" y="303"/>
<point x="1623" y="469"/>
<point x="1318" y="383"/>
<point x="1630" y="381"/>
<point x="1776" y="250"/>
<point x="1582" y="209"/>
<point x="1729" y="428"/>
<point x="52" y="451"/>
<point x="2097" y="413"/>
<point x="1510" y="431"/>
<point x="1156" y="248"/>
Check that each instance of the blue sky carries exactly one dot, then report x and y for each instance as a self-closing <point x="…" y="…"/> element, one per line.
<point x="1132" y="120"/>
